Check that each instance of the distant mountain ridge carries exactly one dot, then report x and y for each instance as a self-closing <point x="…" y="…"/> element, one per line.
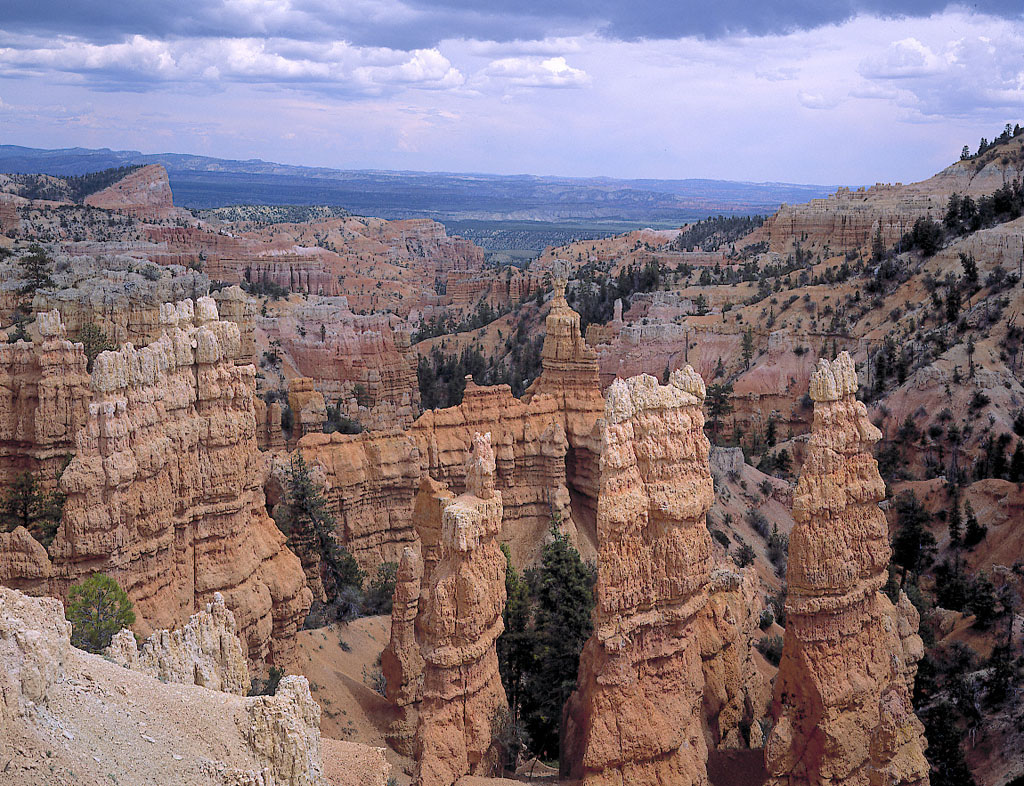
<point x="205" y="182"/>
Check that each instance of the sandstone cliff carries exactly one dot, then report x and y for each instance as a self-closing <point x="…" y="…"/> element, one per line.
<point x="636" y="714"/>
<point x="842" y="703"/>
<point x="144" y="193"/>
<point x="70" y="717"/>
<point x="206" y="652"/>
<point x="165" y="490"/>
<point x="459" y="622"/>
<point x="546" y="448"/>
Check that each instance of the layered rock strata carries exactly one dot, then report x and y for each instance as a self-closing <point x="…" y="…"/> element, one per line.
<point x="206" y="652"/>
<point x="636" y="714"/>
<point x="842" y="704"/>
<point x="165" y="491"/>
<point x="44" y="402"/>
<point x="459" y="621"/>
<point x="546" y="448"/>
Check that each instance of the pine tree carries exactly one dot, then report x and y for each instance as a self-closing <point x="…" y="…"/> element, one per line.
<point x="28" y="505"/>
<point x="565" y="600"/>
<point x="956" y="526"/>
<point x="719" y="404"/>
<point x="94" y="341"/>
<point x="516" y="643"/>
<point x="975" y="533"/>
<point x="97" y="609"/>
<point x="310" y="526"/>
<point x="913" y="546"/>
<point x="35" y="270"/>
<point x="1016" y="473"/>
<point x="748" y="346"/>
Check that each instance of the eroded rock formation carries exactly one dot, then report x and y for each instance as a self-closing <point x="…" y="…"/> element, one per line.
<point x="545" y="444"/>
<point x="165" y="490"/>
<point x="70" y="717"/>
<point x="842" y="704"/>
<point x="205" y="652"/>
<point x="636" y="714"/>
<point x="459" y="621"/>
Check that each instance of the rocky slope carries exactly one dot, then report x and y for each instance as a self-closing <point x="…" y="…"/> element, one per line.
<point x="636" y="714"/>
<point x="206" y="652"/>
<point x="73" y="718"/>
<point x="842" y="707"/>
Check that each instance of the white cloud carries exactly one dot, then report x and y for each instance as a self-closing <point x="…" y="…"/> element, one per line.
<point x="535" y="72"/>
<point x="142" y="60"/>
<point x="815" y="100"/>
<point x="903" y="59"/>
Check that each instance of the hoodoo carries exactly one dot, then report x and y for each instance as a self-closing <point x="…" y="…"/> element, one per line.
<point x="636" y="714"/>
<point x="842" y="705"/>
<point x="460" y="621"/>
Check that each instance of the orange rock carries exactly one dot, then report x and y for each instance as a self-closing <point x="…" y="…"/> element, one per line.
<point x="165" y="491"/>
<point x="842" y="704"/>
<point x="636" y="714"/>
<point x="459" y="621"/>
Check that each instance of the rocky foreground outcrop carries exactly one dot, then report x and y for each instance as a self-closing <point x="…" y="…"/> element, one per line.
<point x="67" y="717"/>
<point x="636" y="714"/>
<point x="165" y="490"/>
<point x="842" y="705"/>
<point x="206" y="652"/>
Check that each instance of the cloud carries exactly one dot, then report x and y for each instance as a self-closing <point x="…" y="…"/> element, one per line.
<point x="140" y="61"/>
<point x="901" y="60"/>
<point x="815" y="100"/>
<point x="423" y="24"/>
<point x="978" y="70"/>
<point x="535" y="72"/>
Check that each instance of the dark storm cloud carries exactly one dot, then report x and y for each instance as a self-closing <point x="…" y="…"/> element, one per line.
<point x="422" y="23"/>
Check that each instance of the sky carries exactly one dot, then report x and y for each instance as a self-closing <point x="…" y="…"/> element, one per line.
<point x="807" y="91"/>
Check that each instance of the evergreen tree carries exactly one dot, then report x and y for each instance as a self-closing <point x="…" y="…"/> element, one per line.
<point x="516" y="643"/>
<point x="956" y="526"/>
<point x="94" y="341"/>
<point x="748" y="346"/>
<point x="1016" y="473"/>
<point x="948" y="765"/>
<point x="914" y="546"/>
<point x="28" y="505"/>
<point x="565" y="600"/>
<point x="305" y="518"/>
<point x="97" y="609"/>
<point x="982" y="601"/>
<point x="35" y="270"/>
<point x="719" y="404"/>
<point x="975" y="533"/>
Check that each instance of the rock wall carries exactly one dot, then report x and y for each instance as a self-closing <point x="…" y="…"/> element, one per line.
<point x="459" y="621"/>
<point x="206" y="652"/>
<point x="44" y="402"/>
<point x="636" y="714"/>
<point x="144" y="193"/>
<point x="735" y="693"/>
<point x="165" y="491"/>
<point x="366" y="362"/>
<point x="842" y="702"/>
<point x="546" y="449"/>
<point x="849" y="219"/>
<point x="119" y="294"/>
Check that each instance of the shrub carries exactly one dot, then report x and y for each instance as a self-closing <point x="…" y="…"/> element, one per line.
<point x="744" y="555"/>
<point x="766" y="619"/>
<point x="380" y="594"/>
<point x="771" y="648"/>
<point x="97" y="609"/>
